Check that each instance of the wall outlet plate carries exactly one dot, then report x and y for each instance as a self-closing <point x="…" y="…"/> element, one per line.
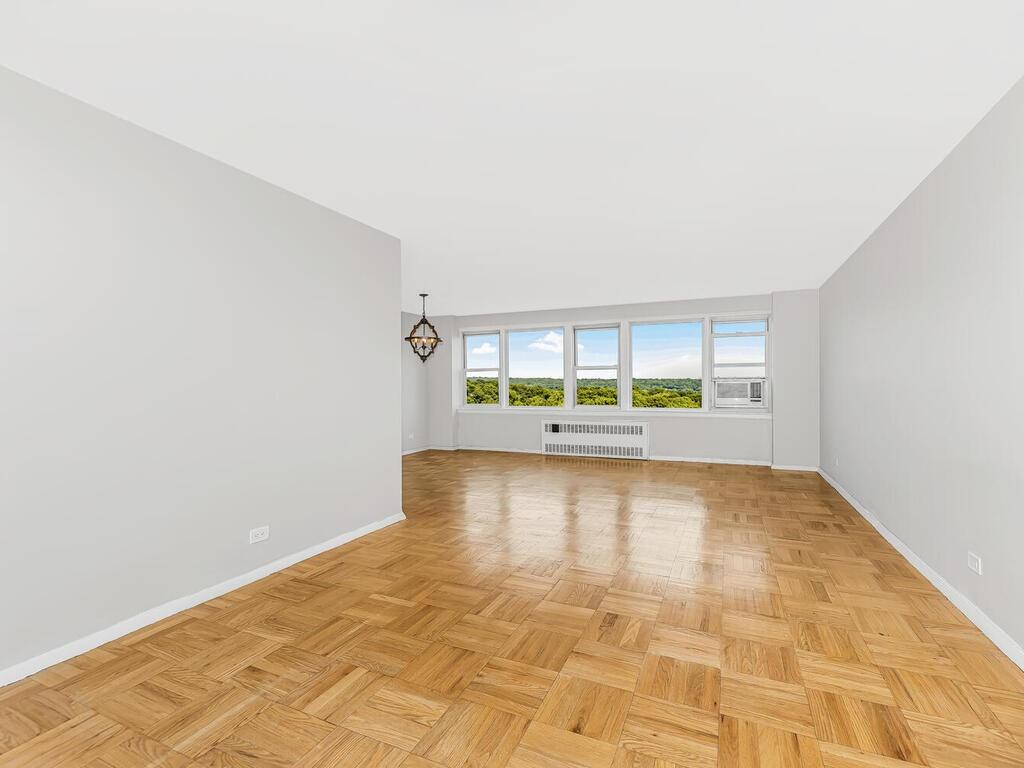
<point x="974" y="563"/>
<point x="259" y="534"/>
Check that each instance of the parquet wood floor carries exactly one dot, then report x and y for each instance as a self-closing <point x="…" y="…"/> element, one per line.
<point x="537" y="612"/>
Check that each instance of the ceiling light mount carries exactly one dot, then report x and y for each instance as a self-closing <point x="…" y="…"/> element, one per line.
<point x="423" y="337"/>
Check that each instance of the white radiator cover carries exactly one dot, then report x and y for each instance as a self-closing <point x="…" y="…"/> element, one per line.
<point x="606" y="439"/>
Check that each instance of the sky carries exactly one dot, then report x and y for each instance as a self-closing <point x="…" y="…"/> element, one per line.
<point x="535" y="354"/>
<point x="667" y="351"/>
<point x="660" y="350"/>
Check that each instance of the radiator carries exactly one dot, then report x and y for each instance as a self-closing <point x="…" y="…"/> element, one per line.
<point x="610" y="439"/>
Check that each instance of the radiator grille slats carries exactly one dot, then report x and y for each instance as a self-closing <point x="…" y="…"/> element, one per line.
<point x="581" y="428"/>
<point x="619" y="440"/>
<point x="615" y="451"/>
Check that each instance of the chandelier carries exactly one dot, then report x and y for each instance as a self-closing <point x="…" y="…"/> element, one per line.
<point x="423" y="337"/>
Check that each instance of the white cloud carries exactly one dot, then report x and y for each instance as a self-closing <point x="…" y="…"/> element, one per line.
<point x="549" y="342"/>
<point x="484" y="349"/>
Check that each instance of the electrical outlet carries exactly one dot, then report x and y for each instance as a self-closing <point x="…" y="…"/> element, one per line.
<point x="259" y="534"/>
<point x="974" y="563"/>
<point x="835" y="460"/>
<point x="412" y="435"/>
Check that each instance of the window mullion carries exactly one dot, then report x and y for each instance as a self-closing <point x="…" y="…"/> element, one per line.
<point x="503" y="368"/>
<point x="624" y="373"/>
<point x="568" y="367"/>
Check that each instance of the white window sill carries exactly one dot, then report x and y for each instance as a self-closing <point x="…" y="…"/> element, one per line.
<point x="621" y="413"/>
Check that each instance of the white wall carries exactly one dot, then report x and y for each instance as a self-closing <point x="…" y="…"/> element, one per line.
<point x="185" y="351"/>
<point x="742" y="438"/>
<point x="441" y="383"/>
<point x="921" y="367"/>
<point x="795" y="379"/>
<point x="415" y="403"/>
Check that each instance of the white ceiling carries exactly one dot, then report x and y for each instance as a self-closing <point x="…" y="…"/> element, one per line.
<point x="548" y="154"/>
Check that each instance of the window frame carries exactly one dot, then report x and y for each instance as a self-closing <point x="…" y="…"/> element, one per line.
<point x="765" y="406"/>
<point x="624" y="367"/>
<point x="576" y="367"/>
<point x="705" y="322"/>
<point x="466" y="370"/>
<point x="506" y="382"/>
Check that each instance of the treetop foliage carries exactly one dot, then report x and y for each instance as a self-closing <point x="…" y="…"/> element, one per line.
<point x="647" y="393"/>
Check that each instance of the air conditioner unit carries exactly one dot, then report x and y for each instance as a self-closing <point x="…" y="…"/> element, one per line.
<point x="739" y="393"/>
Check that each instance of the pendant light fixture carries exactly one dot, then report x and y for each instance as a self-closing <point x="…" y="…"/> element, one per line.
<point x="423" y="337"/>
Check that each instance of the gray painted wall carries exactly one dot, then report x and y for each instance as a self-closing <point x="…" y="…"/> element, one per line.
<point x="415" y="404"/>
<point x="921" y="340"/>
<point x="795" y="379"/>
<point x="184" y="356"/>
<point x="441" y="382"/>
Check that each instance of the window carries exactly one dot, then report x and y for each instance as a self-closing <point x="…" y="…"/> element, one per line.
<point x="667" y="365"/>
<point x="482" y="368"/>
<point x="739" y="363"/>
<point x="597" y="366"/>
<point x="536" y="368"/>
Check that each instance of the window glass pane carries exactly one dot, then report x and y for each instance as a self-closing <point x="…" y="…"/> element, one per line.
<point x="744" y="326"/>
<point x="667" y="365"/>
<point x="482" y="350"/>
<point x="597" y="346"/>
<point x="536" y="367"/>
<point x="482" y="388"/>
<point x="739" y="349"/>
<point x="598" y="387"/>
<point x="739" y="372"/>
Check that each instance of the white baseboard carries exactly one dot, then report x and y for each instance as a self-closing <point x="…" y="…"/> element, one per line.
<point x="498" y="450"/>
<point x="794" y="468"/>
<point x="120" y="629"/>
<point x="429" y="448"/>
<point x="741" y="462"/>
<point x="981" y="620"/>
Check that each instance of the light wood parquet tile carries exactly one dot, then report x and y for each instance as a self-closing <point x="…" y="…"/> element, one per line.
<point x="744" y="744"/>
<point x="75" y="741"/>
<point x="864" y="725"/>
<point x="399" y="714"/>
<point x="276" y="735"/>
<point x="345" y="749"/>
<point x="29" y="709"/>
<point x="538" y="612"/>
<point x="619" y="630"/>
<point x="947" y="744"/>
<point x="750" y="657"/>
<point x="669" y="732"/>
<point x="680" y="682"/>
<point x="140" y="751"/>
<point x="607" y="664"/>
<point x="337" y="692"/>
<point x="585" y="707"/>
<point x="444" y="668"/>
<point x="510" y="686"/>
<point x="197" y="727"/>
<point x="544" y="746"/>
<point x="471" y="734"/>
